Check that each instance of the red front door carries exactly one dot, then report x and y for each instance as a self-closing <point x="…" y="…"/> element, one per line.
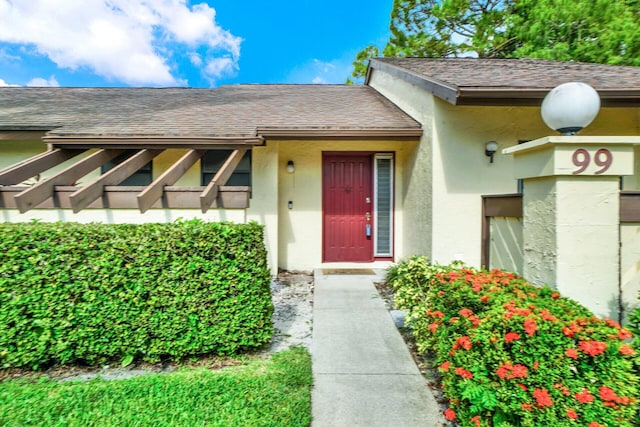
<point x="347" y="208"/>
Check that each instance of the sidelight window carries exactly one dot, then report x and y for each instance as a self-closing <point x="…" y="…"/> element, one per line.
<point x="383" y="218"/>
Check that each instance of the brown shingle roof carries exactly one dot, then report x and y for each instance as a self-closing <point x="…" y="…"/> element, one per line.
<point x="476" y="81"/>
<point x="237" y="111"/>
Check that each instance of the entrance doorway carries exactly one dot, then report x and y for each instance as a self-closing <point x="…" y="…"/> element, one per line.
<point x="347" y="204"/>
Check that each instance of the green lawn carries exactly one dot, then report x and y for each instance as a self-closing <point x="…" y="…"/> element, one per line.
<point x="273" y="392"/>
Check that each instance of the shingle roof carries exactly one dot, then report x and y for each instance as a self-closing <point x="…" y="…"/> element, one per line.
<point x="236" y="111"/>
<point x="480" y="81"/>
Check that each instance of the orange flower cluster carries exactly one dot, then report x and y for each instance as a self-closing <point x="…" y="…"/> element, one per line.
<point x="526" y="406"/>
<point x="574" y="327"/>
<point x="530" y="326"/>
<point x="626" y="350"/>
<point x="468" y="313"/>
<point x="511" y="336"/>
<point x="464" y="373"/>
<point x="592" y="348"/>
<point x="544" y="313"/>
<point x="450" y="414"/>
<point x="611" y="398"/>
<point x="462" y="342"/>
<point x="623" y="334"/>
<point x="513" y="310"/>
<point x="563" y="389"/>
<point x="572" y="353"/>
<point x="509" y="371"/>
<point x="542" y="397"/>
<point x="572" y="414"/>
<point x="584" y="396"/>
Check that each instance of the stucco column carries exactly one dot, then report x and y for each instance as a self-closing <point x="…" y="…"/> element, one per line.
<point x="571" y="208"/>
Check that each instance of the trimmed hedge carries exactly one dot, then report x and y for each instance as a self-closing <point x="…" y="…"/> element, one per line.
<point x="92" y="293"/>
<point x="514" y="354"/>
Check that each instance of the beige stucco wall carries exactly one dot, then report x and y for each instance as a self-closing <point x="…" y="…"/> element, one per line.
<point x="449" y="172"/>
<point x="417" y="190"/>
<point x="300" y="228"/>
<point x="263" y="206"/>
<point x="12" y="151"/>
<point x="630" y="266"/>
<point x="571" y="238"/>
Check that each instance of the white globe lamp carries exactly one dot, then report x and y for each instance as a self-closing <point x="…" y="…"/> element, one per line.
<point x="570" y="107"/>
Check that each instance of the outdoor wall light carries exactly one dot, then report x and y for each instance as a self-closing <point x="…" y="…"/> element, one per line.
<point x="290" y="167"/>
<point x="490" y="149"/>
<point x="570" y="107"/>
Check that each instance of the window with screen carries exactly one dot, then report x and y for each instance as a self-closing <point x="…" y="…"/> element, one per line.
<point x="143" y="176"/>
<point x="213" y="160"/>
<point x="383" y="204"/>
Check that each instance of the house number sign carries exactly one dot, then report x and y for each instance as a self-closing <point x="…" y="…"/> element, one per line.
<point x="582" y="159"/>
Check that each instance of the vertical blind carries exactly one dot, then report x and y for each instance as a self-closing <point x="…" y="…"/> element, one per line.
<point x="383" y="204"/>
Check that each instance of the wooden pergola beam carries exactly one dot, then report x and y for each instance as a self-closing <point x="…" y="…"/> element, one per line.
<point x="35" y="165"/>
<point x="35" y="195"/>
<point x="87" y="194"/>
<point x="211" y="192"/>
<point x="154" y="191"/>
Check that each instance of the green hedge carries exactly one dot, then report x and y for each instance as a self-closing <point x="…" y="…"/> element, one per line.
<point x="513" y="354"/>
<point x="91" y="293"/>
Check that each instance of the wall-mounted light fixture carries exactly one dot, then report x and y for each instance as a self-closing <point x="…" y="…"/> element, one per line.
<point x="570" y="107"/>
<point x="290" y="167"/>
<point x="490" y="149"/>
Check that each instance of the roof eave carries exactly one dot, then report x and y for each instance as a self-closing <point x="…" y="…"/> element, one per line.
<point x="137" y="141"/>
<point x="478" y="96"/>
<point x="344" y="133"/>
<point x="493" y="96"/>
<point x="440" y="89"/>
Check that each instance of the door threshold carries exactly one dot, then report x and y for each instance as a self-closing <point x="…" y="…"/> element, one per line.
<point x="348" y="272"/>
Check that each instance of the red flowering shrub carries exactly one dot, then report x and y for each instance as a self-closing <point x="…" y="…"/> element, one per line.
<point x="514" y="354"/>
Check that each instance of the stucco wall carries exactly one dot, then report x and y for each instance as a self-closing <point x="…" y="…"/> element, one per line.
<point x="571" y="239"/>
<point x="449" y="172"/>
<point x="11" y="152"/>
<point x="417" y="190"/>
<point x="300" y="228"/>
<point x="263" y="206"/>
<point x="462" y="173"/>
<point x="630" y="266"/>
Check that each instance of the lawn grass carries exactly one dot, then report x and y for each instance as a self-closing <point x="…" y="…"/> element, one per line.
<point x="272" y="392"/>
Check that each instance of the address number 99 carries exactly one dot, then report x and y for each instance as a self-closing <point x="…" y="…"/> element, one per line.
<point x="582" y="159"/>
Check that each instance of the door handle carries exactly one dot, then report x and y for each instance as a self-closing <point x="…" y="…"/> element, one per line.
<point x="368" y="216"/>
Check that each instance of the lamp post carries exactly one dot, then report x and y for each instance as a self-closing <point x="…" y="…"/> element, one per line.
<point x="571" y="201"/>
<point x="570" y="107"/>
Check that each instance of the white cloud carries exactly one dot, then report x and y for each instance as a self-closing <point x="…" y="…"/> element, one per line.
<point x="321" y="72"/>
<point x="5" y="84"/>
<point x="195" y="59"/>
<point x="40" y="82"/>
<point x="220" y="66"/>
<point x="133" y="41"/>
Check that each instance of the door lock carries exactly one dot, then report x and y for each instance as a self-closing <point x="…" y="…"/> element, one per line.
<point x="368" y="216"/>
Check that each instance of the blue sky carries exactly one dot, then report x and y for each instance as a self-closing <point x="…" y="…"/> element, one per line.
<point x="184" y="43"/>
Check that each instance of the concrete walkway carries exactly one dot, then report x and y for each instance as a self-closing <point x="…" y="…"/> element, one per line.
<point x="363" y="372"/>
